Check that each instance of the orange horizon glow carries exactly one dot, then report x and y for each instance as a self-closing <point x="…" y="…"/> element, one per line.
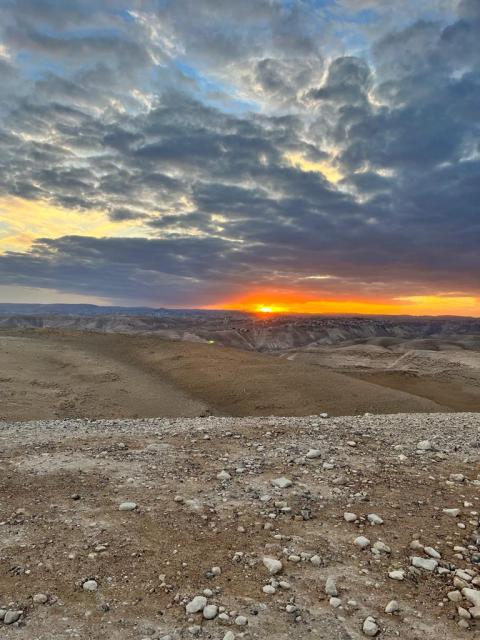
<point x="295" y="303"/>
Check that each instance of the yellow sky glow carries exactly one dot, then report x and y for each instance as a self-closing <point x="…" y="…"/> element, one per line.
<point x="328" y="170"/>
<point x="22" y="221"/>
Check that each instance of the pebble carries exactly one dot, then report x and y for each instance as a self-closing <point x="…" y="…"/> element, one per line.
<point x="397" y="574"/>
<point x="12" y="616"/>
<point x="273" y="565"/>
<point x="335" y="602"/>
<point x="374" y="519"/>
<point x="210" y="611"/>
<point x="229" y="636"/>
<point x="429" y="564"/>
<point x="282" y="483"/>
<point x="40" y="598"/>
<point x="241" y="621"/>
<point x="224" y="475"/>
<point x="451" y="512"/>
<point x="472" y="595"/>
<point x="197" y="604"/>
<point x="90" y="585"/>
<point x="392" y="607"/>
<point x="433" y="553"/>
<point x="316" y="560"/>
<point x="362" y="542"/>
<point x="424" y="445"/>
<point x="127" y="506"/>
<point x="331" y="587"/>
<point x="370" y="627"/>
<point x="313" y="453"/>
<point x="348" y="516"/>
<point x="381" y="547"/>
<point x="269" y="589"/>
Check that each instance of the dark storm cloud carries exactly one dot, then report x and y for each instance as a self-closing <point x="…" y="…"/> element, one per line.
<point x="109" y="110"/>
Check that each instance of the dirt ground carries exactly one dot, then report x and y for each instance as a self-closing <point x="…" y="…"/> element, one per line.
<point x="61" y="485"/>
<point x="49" y="374"/>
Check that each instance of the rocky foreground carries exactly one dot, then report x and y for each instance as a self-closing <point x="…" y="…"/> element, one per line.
<point x="232" y="529"/>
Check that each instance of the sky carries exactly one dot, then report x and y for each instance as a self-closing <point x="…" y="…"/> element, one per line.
<point x="291" y="155"/>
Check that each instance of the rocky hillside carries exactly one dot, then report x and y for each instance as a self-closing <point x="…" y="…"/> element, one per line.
<point x="277" y="333"/>
<point x="229" y="529"/>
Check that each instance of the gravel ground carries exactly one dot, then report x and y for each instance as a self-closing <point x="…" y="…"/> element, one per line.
<point x="229" y="528"/>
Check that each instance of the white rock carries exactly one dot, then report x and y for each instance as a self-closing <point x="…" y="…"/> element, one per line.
<point x="429" y="564"/>
<point x="90" y="585"/>
<point x="457" y="477"/>
<point x="433" y="553"/>
<point x="229" y="636"/>
<point x="397" y="574"/>
<point x="348" y="516"/>
<point x="381" y="547"/>
<point x="313" y="453"/>
<point x="241" y="621"/>
<point x="331" y="587"/>
<point x="40" y="598"/>
<point x="12" y="616"/>
<point x="362" y="542"/>
<point x="127" y="506"/>
<point x="374" y="519"/>
<point x="269" y="590"/>
<point x="454" y="596"/>
<point x="316" y="560"/>
<point x="273" y="565"/>
<point x="472" y="595"/>
<point x="424" y="445"/>
<point x="282" y="483"/>
<point x="370" y="627"/>
<point x="392" y="607"/>
<point x="451" y="512"/>
<point x="197" y="604"/>
<point x="224" y="475"/>
<point x="335" y="602"/>
<point x="210" y="611"/>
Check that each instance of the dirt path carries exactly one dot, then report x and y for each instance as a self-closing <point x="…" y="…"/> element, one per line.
<point x="49" y="374"/>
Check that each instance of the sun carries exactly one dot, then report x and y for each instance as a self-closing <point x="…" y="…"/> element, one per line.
<point x="264" y="309"/>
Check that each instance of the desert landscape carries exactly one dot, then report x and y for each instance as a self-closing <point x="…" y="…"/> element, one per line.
<point x="153" y="487"/>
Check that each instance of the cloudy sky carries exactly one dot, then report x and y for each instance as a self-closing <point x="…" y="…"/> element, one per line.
<point x="310" y="155"/>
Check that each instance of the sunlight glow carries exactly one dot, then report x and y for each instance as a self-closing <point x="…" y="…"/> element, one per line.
<point x="327" y="169"/>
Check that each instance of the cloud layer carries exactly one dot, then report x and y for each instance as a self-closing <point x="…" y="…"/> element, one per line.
<point x="293" y="146"/>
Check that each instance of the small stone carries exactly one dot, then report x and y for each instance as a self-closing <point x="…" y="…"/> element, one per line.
<point x="457" y="477"/>
<point x="12" y="616"/>
<point x="362" y="542"/>
<point x="374" y="519"/>
<point x="241" y="621"/>
<point x="451" y="512"/>
<point x="454" y="596"/>
<point x="210" y="611"/>
<point x="331" y="587"/>
<point x="229" y="636"/>
<point x="216" y="571"/>
<point x="197" y="604"/>
<point x="273" y="565"/>
<point x="224" y="476"/>
<point x="463" y="613"/>
<point x="381" y="547"/>
<point x="370" y="627"/>
<point x="348" y="516"/>
<point x="397" y="574"/>
<point x="428" y="564"/>
<point x="433" y="553"/>
<point x="424" y="445"/>
<point x="472" y="595"/>
<point x="392" y="607"/>
<point x="127" y="506"/>
<point x="313" y="453"/>
<point x="335" y="602"/>
<point x="40" y="598"/>
<point x="316" y="561"/>
<point x="475" y="612"/>
<point x="90" y="585"/>
<point x="269" y="590"/>
<point x="282" y="483"/>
